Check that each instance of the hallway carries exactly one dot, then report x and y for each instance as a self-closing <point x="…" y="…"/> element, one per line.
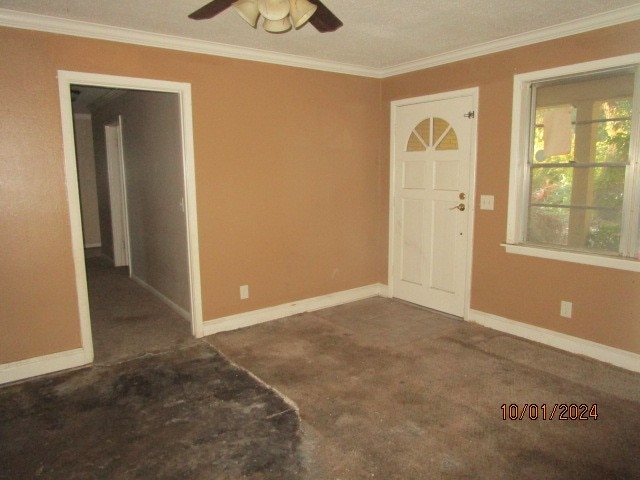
<point x="127" y="321"/>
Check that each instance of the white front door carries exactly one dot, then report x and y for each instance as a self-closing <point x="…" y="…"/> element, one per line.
<point x="432" y="167"/>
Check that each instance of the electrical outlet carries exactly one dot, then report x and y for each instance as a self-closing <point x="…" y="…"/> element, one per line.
<point x="486" y="202"/>
<point x="565" y="309"/>
<point x="244" y="292"/>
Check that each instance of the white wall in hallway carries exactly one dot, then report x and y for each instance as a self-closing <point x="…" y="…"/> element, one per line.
<point x="154" y="178"/>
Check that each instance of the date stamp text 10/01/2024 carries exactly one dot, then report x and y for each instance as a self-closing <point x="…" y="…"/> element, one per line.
<point x="556" y="411"/>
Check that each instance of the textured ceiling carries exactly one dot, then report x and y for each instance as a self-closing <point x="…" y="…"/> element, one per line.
<point x="377" y="34"/>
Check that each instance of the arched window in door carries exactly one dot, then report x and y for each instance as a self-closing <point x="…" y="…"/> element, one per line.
<point x="433" y="133"/>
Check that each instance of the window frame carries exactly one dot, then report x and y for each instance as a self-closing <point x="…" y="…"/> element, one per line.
<point x="522" y="114"/>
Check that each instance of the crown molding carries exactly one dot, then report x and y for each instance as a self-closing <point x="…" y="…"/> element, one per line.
<point x="594" y="22"/>
<point x="31" y="21"/>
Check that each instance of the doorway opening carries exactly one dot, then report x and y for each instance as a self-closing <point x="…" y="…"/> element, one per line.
<point x="149" y="229"/>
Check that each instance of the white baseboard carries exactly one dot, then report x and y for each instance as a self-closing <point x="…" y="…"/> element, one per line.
<point x="92" y="245"/>
<point x="174" y="306"/>
<point x="614" y="356"/>
<point x="383" y="290"/>
<point x="241" y="320"/>
<point x="33" y="367"/>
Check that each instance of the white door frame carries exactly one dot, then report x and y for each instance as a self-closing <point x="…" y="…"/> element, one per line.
<point x="395" y="105"/>
<point x="118" y="193"/>
<point x="65" y="80"/>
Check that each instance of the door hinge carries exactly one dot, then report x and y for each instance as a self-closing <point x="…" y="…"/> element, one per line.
<point x="470" y="114"/>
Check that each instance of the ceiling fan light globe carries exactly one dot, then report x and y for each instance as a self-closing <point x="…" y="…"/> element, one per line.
<point x="274" y="9"/>
<point x="301" y="11"/>
<point x="248" y="10"/>
<point x="277" y="26"/>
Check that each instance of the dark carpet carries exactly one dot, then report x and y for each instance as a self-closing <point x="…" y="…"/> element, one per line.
<point x="127" y="320"/>
<point x="187" y="414"/>
<point x="388" y="390"/>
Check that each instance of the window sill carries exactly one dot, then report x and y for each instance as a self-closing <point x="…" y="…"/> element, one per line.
<point x="629" y="264"/>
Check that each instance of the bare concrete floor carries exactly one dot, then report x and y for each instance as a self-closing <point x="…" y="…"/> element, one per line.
<point x="184" y="414"/>
<point x="388" y="390"/>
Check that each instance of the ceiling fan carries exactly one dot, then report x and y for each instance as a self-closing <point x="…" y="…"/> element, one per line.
<point x="279" y="15"/>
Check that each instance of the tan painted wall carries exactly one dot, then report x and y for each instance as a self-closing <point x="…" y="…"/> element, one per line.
<point x="292" y="184"/>
<point x="606" y="302"/>
<point x="288" y="185"/>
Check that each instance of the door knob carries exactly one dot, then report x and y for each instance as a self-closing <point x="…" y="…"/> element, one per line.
<point x="460" y="207"/>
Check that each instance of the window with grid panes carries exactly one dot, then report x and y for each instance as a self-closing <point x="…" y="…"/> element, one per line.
<point x="578" y="183"/>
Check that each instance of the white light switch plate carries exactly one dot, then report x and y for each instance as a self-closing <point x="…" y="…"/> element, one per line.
<point x="486" y="202"/>
<point x="244" y="292"/>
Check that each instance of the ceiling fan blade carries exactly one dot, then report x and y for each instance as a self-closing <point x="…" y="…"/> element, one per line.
<point x="323" y="19"/>
<point x="211" y="9"/>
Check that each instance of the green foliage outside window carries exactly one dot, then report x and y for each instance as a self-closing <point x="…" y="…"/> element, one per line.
<point x="598" y="180"/>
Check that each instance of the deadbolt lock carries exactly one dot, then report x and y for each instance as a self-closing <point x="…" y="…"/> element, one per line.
<point x="462" y="196"/>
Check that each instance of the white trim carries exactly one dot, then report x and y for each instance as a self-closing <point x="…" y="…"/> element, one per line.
<point x="383" y="290"/>
<point x="576" y="68"/>
<point x="255" y="317"/>
<point x="574" y="27"/>
<point x="65" y="80"/>
<point x="82" y="116"/>
<point x="474" y="93"/>
<point x="629" y="264"/>
<point x="30" y="21"/>
<point x="519" y="144"/>
<point x="160" y="296"/>
<point x="75" y="216"/>
<point x="32" y="367"/>
<point x="92" y="245"/>
<point x="193" y="245"/>
<point x="603" y="353"/>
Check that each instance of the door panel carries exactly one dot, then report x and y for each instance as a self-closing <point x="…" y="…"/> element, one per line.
<point x="413" y="241"/>
<point x="414" y="175"/>
<point x="446" y="175"/>
<point x="443" y="246"/>
<point x="432" y="170"/>
<point x="117" y="193"/>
